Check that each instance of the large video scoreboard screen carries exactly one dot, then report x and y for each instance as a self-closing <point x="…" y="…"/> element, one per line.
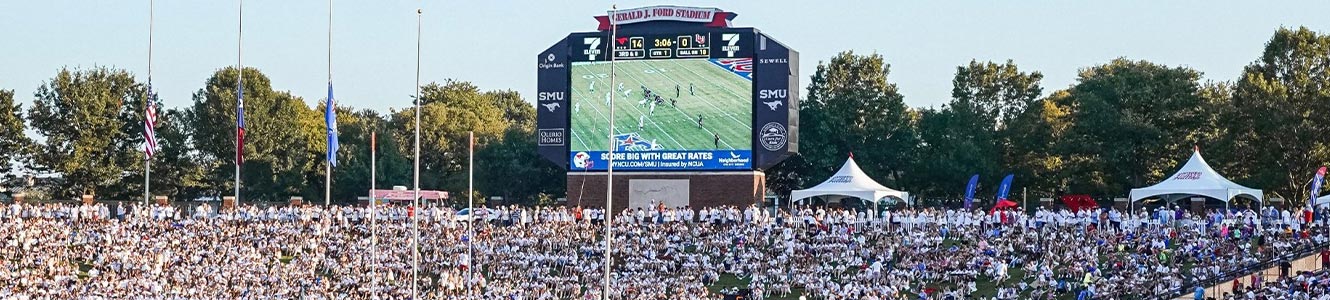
<point x="680" y="101"/>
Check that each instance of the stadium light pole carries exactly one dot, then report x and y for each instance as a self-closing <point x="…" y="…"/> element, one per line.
<point x="609" y="174"/>
<point x="415" y="200"/>
<point x="240" y="82"/>
<point x="471" y="198"/>
<point x="327" y="166"/>
<point x="373" y="216"/>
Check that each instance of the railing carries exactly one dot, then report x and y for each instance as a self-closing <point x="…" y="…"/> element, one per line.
<point x="1230" y="275"/>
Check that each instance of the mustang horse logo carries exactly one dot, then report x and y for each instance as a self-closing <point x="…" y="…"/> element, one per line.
<point x="551" y="106"/>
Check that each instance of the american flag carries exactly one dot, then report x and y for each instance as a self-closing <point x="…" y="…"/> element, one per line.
<point x="149" y="124"/>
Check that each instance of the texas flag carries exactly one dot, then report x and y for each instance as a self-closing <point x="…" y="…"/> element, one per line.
<point x="240" y="123"/>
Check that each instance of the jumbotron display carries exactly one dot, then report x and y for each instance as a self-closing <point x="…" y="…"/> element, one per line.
<point x="669" y="114"/>
<point x="685" y="96"/>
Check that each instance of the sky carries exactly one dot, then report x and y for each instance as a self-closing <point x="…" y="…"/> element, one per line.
<point x="492" y="43"/>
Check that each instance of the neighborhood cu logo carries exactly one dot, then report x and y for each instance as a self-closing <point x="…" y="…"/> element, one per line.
<point x="773" y="136"/>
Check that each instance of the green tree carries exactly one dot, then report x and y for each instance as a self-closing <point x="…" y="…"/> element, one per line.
<point x="851" y="107"/>
<point x="176" y="171"/>
<point x="1133" y="122"/>
<point x="1036" y="143"/>
<point x="970" y="134"/>
<point x="510" y="168"/>
<point x="352" y="174"/>
<point x="284" y="138"/>
<point x="450" y="111"/>
<point x="14" y="144"/>
<point x="88" y="119"/>
<point x="516" y="112"/>
<point x="1277" y="125"/>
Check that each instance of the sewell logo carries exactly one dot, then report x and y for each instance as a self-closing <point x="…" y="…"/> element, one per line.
<point x="1188" y="176"/>
<point x="773" y="61"/>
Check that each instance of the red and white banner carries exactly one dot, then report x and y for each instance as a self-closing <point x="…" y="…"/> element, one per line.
<point x="714" y="17"/>
<point x="407" y="194"/>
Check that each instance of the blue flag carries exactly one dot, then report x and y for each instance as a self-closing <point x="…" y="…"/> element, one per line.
<point x="969" y="190"/>
<point x="1316" y="186"/>
<point x="330" y="117"/>
<point x="1004" y="188"/>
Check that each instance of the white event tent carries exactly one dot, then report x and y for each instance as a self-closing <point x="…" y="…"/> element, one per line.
<point x="1196" y="178"/>
<point x="850" y="181"/>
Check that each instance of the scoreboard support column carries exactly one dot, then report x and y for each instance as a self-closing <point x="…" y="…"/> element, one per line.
<point x="638" y="189"/>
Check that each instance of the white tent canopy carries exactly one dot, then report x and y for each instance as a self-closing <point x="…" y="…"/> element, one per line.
<point x="1197" y="178"/>
<point x="1323" y="200"/>
<point x="850" y="181"/>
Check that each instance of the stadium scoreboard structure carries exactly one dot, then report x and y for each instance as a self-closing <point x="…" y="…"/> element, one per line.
<point x="701" y="108"/>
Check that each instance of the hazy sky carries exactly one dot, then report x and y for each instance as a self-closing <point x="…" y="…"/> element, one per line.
<point x="492" y="43"/>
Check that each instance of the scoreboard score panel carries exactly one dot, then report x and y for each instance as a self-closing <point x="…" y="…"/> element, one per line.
<point x="670" y="45"/>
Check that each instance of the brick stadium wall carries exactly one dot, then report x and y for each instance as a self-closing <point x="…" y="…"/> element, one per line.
<point x="704" y="189"/>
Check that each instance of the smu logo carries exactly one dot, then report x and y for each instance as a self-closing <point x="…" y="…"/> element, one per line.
<point x="550" y="96"/>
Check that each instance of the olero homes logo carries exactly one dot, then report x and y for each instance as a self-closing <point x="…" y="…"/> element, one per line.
<point x="549" y="63"/>
<point x="841" y="179"/>
<point x="551" y="137"/>
<point x="1188" y="176"/>
<point x="773" y="136"/>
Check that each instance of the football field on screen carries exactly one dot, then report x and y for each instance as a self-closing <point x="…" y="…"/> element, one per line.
<point x="722" y="99"/>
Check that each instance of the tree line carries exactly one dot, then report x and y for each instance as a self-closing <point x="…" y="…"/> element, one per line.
<point x="1122" y="124"/>
<point x="91" y="123"/>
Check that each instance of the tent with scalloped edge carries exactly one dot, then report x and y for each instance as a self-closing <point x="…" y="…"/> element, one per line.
<point x="850" y="181"/>
<point x="1196" y="178"/>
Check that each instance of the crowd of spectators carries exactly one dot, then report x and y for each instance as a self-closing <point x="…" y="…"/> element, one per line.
<point x="128" y="251"/>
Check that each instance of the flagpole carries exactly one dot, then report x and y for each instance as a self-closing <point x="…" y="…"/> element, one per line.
<point x="609" y="174"/>
<point x="415" y="229"/>
<point x="240" y="81"/>
<point x="327" y="170"/>
<point x="373" y="216"/>
<point x="147" y="162"/>
<point x="471" y="195"/>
